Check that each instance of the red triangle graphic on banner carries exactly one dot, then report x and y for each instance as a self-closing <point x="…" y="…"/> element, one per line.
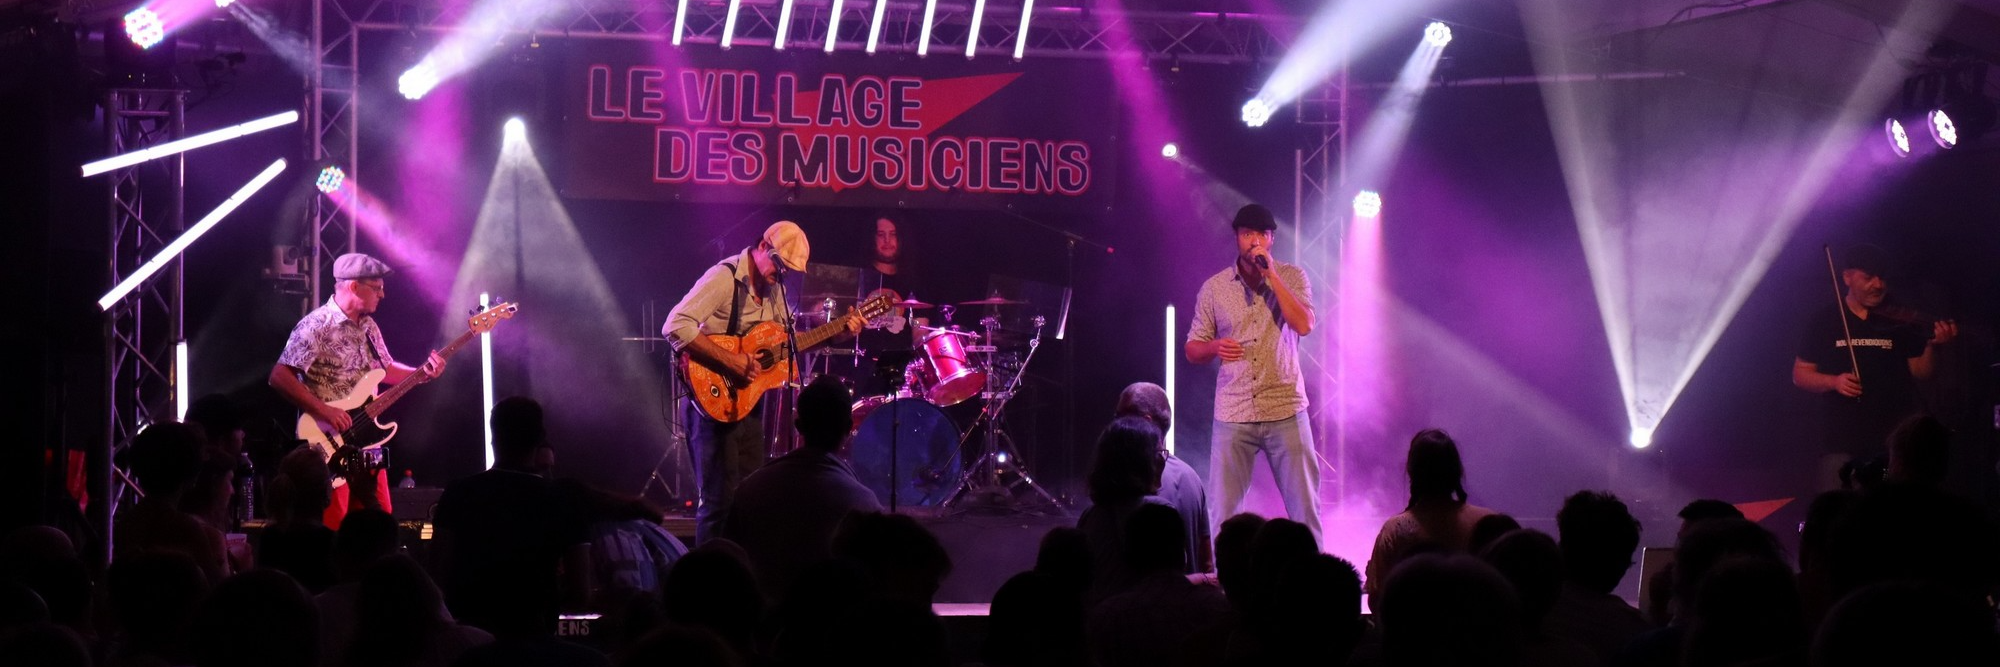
<point x="1757" y="511"/>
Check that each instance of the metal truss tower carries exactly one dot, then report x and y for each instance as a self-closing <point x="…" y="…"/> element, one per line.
<point x="141" y="330"/>
<point x="1319" y="188"/>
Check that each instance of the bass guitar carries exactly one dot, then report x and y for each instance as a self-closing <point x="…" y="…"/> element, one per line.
<point x="358" y="451"/>
<point x="722" y="398"/>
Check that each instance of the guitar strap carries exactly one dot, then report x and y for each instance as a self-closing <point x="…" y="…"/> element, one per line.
<point x="735" y="302"/>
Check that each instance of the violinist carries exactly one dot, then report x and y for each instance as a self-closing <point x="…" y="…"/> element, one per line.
<point x="1864" y="357"/>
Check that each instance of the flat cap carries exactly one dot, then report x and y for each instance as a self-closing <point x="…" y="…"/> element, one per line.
<point x="790" y="242"/>
<point x="356" y="266"/>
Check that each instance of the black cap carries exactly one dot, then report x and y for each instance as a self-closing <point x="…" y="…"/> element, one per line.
<point x="1254" y="217"/>
<point x="1870" y="259"/>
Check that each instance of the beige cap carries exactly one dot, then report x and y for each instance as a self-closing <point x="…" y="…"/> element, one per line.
<point x="790" y="242"/>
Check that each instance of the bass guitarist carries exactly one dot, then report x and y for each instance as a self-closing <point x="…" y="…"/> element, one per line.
<point x="731" y="297"/>
<point x="329" y="351"/>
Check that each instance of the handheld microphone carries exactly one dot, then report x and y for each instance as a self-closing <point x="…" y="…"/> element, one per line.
<point x="1263" y="262"/>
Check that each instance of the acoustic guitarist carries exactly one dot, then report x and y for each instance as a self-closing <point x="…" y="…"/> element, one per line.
<point x="329" y="351"/>
<point x="731" y="297"/>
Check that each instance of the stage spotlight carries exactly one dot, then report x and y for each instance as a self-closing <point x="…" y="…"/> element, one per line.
<point x="1367" y="204"/>
<point x="181" y="381"/>
<point x="1257" y="112"/>
<point x="144" y="27"/>
<point x="486" y="376"/>
<point x="1170" y="151"/>
<point x="1173" y="345"/>
<point x="330" y="179"/>
<point x="419" y="81"/>
<point x="516" y="129"/>
<point x="680" y="20"/>
<point x="1899" y="139"/>
<point x="875" y="25"/>
<point x="1437" y="34"/>
<point x="223" y="4"/>
<point x="1642" y="437"/>
<point x="1943" y="131"/>
<point x="190" y="143"/>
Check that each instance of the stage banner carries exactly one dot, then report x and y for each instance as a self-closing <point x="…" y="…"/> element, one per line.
<point x="642" y="121"/>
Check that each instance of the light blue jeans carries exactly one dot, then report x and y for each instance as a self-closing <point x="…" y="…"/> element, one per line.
<point x="1288" y="446"/>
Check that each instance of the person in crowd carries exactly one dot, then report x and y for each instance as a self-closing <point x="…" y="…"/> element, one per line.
<point x="43" y="560"/>
<point x="1919" y="452"/>
<point x="630" y="551"/>
<point x="680" y="646"/>
<point x="366" y="536"/>
<point x="1707" y="543"/>
<point x="1124" y="475"/>
<point x="1035" y="620"/>
<point x="901" y="565"/>
<point x="1746" y="612"/>
<point x="1148" y="623"/>
<point x="221" y="420"/>
<point x="1438" y="513"/>
<point x="1180" y="485"/>
<point x="1448" y="609"/>
<point x="712" y="588"/>
<point x="165" y="459"/>
<point x="1660" y="607"/>
<point x="1533" y="564"/>
<point x="297" y="542"/>
<point x="1488" y="529"/>
<point x="786" y="512"/>
<point x="1598" y="538"/>
<point x="400" y="620"/>
<point x="260" y="618"/>
<point x="153" y="595"/>
<point x="1907" y="623"/>
<point x="501" y="533"/>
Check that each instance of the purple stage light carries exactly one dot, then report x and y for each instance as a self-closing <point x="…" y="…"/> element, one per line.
<point x="1257" y="112"/>
<point x="1170" y="151"/>
<point x="1437" y="34"/>
<point x="1899" y="140"/>
<point x="1943" y="130"/>
<point x="222" y="4"/>
<point x="1367" y="204"/>
<point x="418" y="81"/>
<point x="145" y="27"/>
<point x="330" y="179"/>
<point x="1642" y="437"/>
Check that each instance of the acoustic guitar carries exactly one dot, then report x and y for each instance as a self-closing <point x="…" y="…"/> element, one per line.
<point x="722" y="398"/>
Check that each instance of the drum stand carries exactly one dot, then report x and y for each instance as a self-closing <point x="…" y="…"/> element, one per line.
<point x="997" y="474"/>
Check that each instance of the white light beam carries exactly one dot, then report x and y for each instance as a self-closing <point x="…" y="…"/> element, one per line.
<point x="190" y="143"/>
<point x="972" y="35"/>
<point x="486" y="377"/>
<point x="208" y="221"/>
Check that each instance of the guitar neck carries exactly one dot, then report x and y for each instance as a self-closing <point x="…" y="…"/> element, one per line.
<point x="388" y="398"/>
<point x="820" y="334"/>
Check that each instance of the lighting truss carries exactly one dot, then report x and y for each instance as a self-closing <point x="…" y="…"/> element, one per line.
<point x="1194" y="37"/>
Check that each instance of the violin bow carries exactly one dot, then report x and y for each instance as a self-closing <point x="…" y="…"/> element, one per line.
<point x="1840" y="304"/>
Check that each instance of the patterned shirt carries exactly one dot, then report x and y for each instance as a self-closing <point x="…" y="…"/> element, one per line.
<point x="1265" y="385"/>
<point x="705" y="309"/>
<point x="334" y="351"/>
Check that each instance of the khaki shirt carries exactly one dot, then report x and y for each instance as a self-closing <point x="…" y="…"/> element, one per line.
<point x="1265" y="385"/>
<point x="705" y="309"/>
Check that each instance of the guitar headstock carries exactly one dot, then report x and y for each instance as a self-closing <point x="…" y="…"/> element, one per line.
<point x="876" y="306"/>
<point x="485" y="320"/>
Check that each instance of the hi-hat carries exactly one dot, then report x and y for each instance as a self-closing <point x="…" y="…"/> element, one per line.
<point x="995" y="301"/>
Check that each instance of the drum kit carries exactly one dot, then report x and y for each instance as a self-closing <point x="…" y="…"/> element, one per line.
<point x="904" y="445"/>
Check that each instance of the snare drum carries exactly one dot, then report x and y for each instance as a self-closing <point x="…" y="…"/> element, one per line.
<point x="952" y="375"/>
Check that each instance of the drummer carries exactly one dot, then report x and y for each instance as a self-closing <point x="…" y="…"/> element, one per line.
<point x="894" y="333"/>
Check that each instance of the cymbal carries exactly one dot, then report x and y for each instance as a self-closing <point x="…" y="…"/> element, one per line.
<point x="911" y="303"/>
<point x="823" y="297"/>
<point x="995" y="301"/>
<point x="954" y="332"/>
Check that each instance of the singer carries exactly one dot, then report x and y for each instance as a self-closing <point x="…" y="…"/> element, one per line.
<point x="1866" y="367"/>
<point x="1251" y="316"/>
<point x="737" y="293"/>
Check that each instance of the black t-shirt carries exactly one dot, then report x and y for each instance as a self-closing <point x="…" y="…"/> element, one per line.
<point x="507" y="532"/>
<point x="1888" y="392"/>
<point x="886" y="333"/>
